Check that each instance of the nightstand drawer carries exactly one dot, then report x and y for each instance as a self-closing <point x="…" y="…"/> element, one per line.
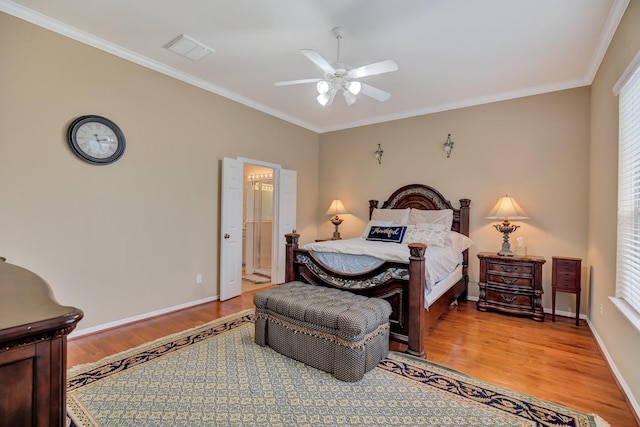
<point x="510" y="300"/>
<point x="513" y="282"/>
<point x="566" y="264"/>
<point x="510" y="268"/>
<point x="566" y="280"/>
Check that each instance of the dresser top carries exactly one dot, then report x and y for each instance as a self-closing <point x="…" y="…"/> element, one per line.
<point x="528" y="258"/>
<point x="27" y="303"/>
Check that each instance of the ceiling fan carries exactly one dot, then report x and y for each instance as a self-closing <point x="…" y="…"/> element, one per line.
<point x="340" y="76"/>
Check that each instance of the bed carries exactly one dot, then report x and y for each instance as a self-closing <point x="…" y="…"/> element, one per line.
<point x="401" y="282"/>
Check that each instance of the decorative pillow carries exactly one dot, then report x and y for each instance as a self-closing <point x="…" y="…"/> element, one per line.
<point x="393" y="233"/>
<point x="373" y="222"/>
<point x="443" y="216"/>
<point x="398" y="216"/>
<point x="458" y="241"/>
<point x="429" y="234"/>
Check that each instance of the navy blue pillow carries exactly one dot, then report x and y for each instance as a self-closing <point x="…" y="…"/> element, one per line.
<point x="387" y="233"/>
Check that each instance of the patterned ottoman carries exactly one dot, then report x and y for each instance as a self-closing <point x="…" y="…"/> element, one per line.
<point x="332" y="330"/>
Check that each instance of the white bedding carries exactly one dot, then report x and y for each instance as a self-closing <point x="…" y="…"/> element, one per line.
<point x="365" y="255"/>
<point x="442" y="286"/>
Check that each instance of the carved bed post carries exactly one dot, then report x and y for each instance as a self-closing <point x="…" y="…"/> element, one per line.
<point x="464" y="229"/>
<point x="373" y="204"/>
<point x="416" y="299"/>
<point x="292" y="243"/>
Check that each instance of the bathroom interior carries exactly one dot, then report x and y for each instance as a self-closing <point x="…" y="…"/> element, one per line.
<point x="257" y="230"/>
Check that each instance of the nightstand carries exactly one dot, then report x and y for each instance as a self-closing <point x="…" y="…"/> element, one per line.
<point x="511" y="284"/>
<point x="566" y="277"/>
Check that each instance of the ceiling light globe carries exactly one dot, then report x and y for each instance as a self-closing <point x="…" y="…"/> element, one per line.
<point x="349" y="98"/>
<point x="323" y="99"/>
<point x="323" y="87"/>
<point x="354" y="87"/>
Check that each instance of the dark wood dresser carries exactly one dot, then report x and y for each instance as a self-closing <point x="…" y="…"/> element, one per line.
<point x="33" y="346"/>
<point x="511" y="284"/>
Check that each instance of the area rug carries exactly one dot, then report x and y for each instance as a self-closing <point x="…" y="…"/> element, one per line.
<point x="215" y="375"/>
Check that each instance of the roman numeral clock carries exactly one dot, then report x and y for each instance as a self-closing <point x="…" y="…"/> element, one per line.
<point x="96" y="140"/>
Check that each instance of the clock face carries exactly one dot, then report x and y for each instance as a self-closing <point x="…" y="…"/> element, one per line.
<point x="96" y="139"/>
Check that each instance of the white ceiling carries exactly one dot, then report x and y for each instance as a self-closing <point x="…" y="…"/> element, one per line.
<point x="450" y="53"/>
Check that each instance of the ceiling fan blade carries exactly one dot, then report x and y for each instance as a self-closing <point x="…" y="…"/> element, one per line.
<point x="318" y="60"/>
<point x="374" y="92"/>
<point x="296" y="82"/>
<point x="381" y="67"/>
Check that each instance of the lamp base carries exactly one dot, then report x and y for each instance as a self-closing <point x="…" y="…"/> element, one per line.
<point x="506" y="250"/>
<point x="505" y="228"/>
<point x="336" y="221"/>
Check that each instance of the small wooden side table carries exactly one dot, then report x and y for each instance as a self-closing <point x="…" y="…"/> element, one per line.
<point x="566" y="277"/>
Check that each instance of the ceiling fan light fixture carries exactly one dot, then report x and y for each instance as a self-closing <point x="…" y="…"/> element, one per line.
<point x="341" y="77"/>
<point x="349" y="97"/>
<point x="323" y="98"/>
<point x="323" y="87"/>
<point x="354" y="87"/>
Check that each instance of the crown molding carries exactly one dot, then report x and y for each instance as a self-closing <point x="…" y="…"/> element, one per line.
<point x="61" y="28"/>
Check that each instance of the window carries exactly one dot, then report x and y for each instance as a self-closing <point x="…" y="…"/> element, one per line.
<point x="628" y="252"/>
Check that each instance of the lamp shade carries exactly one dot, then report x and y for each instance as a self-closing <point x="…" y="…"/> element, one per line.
<point x="336" y="208"/>
<point x="506" y="208"/>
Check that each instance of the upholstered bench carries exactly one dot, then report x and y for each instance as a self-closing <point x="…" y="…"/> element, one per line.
<point x="336" y="331"/>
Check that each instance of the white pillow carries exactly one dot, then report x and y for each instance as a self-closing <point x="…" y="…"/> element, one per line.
<point x="459" y="242"/>
<point x="397" y="216"/>
<point x="374" y="222"/>
<point x="443" y="216"/>
<point x="429" y="234"/>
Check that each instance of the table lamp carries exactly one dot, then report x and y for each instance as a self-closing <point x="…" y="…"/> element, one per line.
<point x="506" y="209"/>
<point x="336" y="208"/>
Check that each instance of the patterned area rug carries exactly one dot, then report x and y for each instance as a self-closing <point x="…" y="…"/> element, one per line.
<point x="215" y="375"/>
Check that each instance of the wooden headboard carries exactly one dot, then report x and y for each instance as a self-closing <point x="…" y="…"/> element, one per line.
<point x="418" y="196"/>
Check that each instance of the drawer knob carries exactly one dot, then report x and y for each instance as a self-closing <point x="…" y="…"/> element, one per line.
<point x="509" y="269"/>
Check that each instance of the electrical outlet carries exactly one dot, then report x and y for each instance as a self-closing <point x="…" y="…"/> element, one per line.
<point x="601" y="310"/>
<point x="198" y="278"/>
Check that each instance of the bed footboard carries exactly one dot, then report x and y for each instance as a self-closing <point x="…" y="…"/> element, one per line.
<point x="401" y="285"/>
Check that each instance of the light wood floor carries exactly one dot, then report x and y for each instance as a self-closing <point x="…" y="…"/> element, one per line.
<point x="554" y="361"/>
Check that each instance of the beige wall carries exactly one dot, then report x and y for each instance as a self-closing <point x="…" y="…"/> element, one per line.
<point x="621" y="340"/>
<point x="534" y="149"/>
<point x="126" y="239"/>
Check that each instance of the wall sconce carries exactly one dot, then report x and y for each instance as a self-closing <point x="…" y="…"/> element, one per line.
<point x="448" y="146"/>
<point x="506" y="209"/>
<point x="378" y="154"/>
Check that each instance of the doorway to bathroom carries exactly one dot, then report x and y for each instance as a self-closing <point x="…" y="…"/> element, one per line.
<point x="258" y="213"/>
<point x="232" y="235"/>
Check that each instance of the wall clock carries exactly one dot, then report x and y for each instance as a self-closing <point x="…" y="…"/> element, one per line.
<point x="96" y="139"/>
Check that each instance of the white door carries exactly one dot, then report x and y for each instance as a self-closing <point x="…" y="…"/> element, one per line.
<point x="231" y="229"/>
<point x="285" y="220"/>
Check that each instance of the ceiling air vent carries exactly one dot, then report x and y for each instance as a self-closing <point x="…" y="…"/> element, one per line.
<point x="189" y="48"/>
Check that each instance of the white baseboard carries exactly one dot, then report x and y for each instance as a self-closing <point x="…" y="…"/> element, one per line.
<point x="625" y="388"/>
<point x="105" y="326"/>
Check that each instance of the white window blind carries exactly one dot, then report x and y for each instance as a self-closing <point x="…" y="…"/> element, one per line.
<point x="628" y="252"/>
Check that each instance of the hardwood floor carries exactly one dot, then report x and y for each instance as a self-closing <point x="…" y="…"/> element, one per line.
<point x="553" y="361"/>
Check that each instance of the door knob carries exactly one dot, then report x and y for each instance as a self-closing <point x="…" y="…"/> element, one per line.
<point x="226" y="236"/>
